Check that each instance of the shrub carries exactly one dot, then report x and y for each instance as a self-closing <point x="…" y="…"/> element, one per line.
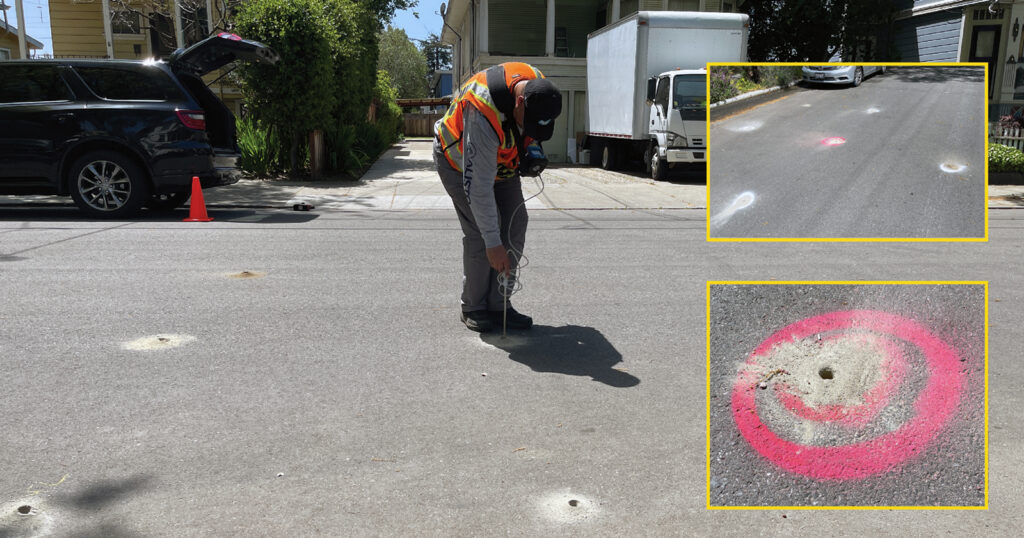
<point x="260" y="147"/>
<point x="721" y="85"/>
<point x="297" y="94"/>
<point x="1005" y="159"/>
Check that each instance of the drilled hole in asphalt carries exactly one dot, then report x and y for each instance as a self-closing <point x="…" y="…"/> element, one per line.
<point x="247" y="274"/>
<point x="24" y="509"/>
<point x="825" y="373"/>
<point x="574" y="502"/>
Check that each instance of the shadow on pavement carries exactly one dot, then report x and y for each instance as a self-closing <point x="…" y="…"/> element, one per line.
<point x="937" y="74"/>
<point x="99" y="494"/>
<point x="569" y="350"/>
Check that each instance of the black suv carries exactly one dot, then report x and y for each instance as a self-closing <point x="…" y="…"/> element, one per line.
<point x="120" y="134"/>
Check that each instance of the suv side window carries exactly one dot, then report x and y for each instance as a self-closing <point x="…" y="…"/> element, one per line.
<point x="122" y="83"/>
<point x="31" y="84"/>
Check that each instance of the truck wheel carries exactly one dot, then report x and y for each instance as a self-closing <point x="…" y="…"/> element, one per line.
<point x="108" y="184"/>
<point x="659" y="168"/>
<point x="648" y="154"/>
<point x="609" y="157"/>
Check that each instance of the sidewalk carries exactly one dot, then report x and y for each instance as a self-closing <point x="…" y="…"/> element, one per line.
<point x="404" y="178"/>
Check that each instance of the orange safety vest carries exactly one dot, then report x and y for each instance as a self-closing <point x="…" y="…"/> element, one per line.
<point x="477" y="94"/>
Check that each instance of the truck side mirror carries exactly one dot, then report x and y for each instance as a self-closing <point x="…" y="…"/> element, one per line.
<point x="651" y="83"/>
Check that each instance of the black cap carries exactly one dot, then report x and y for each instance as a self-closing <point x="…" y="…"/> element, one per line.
<point x="543" y="105"/>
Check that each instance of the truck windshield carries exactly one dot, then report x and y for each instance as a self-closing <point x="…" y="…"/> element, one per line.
<point x="688" y="92"/>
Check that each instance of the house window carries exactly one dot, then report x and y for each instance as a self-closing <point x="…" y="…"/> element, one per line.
<point x="5" y="54"/>
<point x="125" y="22"/>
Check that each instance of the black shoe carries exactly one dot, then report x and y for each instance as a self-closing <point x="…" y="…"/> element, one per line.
<point x="515" y="320"/>
<point x="478" y="321"/>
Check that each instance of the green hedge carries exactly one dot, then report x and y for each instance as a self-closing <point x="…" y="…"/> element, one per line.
<point x="1005" y="159"/>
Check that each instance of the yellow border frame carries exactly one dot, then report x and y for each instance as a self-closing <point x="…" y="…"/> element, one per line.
<point x="707" y="392"/>
<point x="707" y="191"/>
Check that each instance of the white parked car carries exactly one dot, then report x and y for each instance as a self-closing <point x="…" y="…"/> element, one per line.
<point x="840" y="74"/>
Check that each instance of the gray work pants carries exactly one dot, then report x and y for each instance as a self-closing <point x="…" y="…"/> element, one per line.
<point x="480" y="290"/>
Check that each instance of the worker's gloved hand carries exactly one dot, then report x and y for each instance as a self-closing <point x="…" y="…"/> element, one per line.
<point x="498" y="259"/>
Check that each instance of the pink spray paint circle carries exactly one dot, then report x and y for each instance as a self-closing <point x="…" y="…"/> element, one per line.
<point x="834" y="141"/>
<point x="934" y="405"/>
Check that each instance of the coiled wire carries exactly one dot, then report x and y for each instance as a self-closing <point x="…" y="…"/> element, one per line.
<point x="511" y="284"/>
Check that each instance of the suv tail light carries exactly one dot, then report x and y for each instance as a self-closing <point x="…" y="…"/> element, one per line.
<point x="193" y="119"/>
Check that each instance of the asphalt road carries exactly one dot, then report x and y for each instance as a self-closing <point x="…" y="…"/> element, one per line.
<point x="334" y="392"/>
<point x="943" y="464"/>
<point x="912" y="164"/>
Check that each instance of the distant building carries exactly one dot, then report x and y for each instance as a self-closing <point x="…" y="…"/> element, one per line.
<point x="10" y="49"/>
<point x="441" y="83"/>
<point x="963" y="31"/>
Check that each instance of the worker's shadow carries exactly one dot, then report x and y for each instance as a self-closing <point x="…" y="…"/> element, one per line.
<point x="570" y="350"/>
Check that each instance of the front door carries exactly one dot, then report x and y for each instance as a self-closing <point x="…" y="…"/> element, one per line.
<point x="984" y="48"/>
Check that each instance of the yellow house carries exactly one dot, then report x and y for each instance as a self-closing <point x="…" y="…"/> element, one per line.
<point x="137" y="29"/>
<point x="9" y="47"/>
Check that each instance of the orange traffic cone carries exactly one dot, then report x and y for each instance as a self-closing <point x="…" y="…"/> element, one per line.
<point x="197" y="207"/>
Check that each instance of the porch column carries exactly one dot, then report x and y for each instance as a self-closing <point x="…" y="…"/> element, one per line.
<point x="22" y="38"/>
<point x="179" y="32"/>
<point x="108" y="34"/>
<point x="209" y="17"/>
<point x="615" y="10"/>
<point x="549" y="27"/>
<point x="482" y="28"/>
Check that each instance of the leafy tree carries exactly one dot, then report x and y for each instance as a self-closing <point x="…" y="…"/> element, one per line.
<point x="355" y="58"/>
<point x="298" y="94"/>
<point x="405" y="64"/>
<point x="384" y="10"/>
<point x="439" y="55"/>
<point x="814" y="30"/>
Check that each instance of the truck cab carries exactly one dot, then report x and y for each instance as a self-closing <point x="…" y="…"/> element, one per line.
<point x="677" y="126"/>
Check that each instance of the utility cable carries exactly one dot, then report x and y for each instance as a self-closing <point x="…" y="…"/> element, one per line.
<point x="509" y="284"/>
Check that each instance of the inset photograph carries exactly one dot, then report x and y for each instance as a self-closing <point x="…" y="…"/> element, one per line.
<point x="847" y="151"/>
<point x="847" y="395"/>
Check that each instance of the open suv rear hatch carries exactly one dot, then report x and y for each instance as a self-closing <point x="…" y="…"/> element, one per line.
<point x="212" y="53"/>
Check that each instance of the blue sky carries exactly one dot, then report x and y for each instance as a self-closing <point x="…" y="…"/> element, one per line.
<point x="430" y="21"/>
<point x="37" y="20"/>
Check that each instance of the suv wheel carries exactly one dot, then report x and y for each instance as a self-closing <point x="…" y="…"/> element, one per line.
<point x="108" y="184"/>
<point x="168" y="202"/>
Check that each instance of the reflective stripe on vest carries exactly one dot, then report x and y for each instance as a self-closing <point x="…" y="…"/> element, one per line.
<point x="476" y="94"/>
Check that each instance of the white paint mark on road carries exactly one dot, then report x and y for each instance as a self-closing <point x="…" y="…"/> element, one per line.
<point x="742" y="201"/>
<point x="158" y="342"/>
<point x="872" y="110"/>
<point x="806" y="105"/>
<point x="745" y="127"/>
<point x="952" y="167"/>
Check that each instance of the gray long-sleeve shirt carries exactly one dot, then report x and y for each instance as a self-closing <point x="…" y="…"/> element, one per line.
<point x="480" y="167"/>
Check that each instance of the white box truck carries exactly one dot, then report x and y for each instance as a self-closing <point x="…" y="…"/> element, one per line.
<point x="646" y="85"/>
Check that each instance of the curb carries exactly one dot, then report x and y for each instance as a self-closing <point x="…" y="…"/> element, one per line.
<point x="741" y="103"/>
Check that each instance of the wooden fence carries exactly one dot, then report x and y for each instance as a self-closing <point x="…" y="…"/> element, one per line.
<point x="1008" y="136"/>
<point x="417" y="124"/>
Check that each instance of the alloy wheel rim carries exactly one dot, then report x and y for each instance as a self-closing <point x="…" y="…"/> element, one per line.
<point x="104" y="185"/>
